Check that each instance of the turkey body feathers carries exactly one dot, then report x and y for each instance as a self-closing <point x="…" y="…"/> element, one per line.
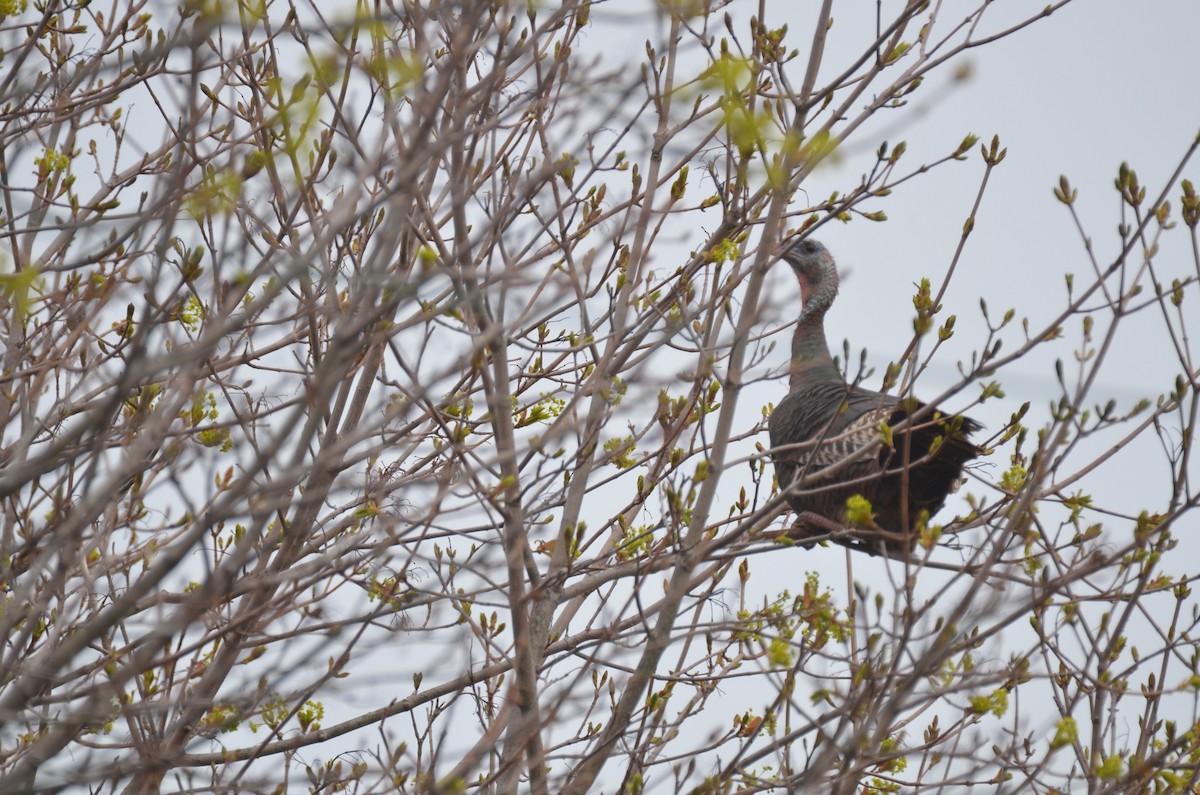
<point x="828" y="446"/>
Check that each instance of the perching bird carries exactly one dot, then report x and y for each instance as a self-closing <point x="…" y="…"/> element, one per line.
<point x="826" y="423"/>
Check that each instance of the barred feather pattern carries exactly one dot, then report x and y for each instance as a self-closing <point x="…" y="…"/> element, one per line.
<point x="828" y="445"/>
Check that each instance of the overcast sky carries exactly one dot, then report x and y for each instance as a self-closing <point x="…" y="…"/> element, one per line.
<point x="1098" y="83"/>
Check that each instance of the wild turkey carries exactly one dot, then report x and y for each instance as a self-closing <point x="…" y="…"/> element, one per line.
<point x="826" y="423"/>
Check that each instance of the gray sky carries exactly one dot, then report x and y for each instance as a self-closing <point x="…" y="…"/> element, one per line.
<point x="1098" y="83"/>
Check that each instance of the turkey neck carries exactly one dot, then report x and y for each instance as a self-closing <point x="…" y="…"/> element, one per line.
<point x="811" y="362"/>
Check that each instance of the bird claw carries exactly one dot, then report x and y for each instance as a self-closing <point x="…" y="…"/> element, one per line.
<point x="808" y="525"/>
<point x="810" y="529"/>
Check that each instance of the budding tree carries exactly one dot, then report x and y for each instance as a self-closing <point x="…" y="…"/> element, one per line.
<point x="384" y="391"/>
